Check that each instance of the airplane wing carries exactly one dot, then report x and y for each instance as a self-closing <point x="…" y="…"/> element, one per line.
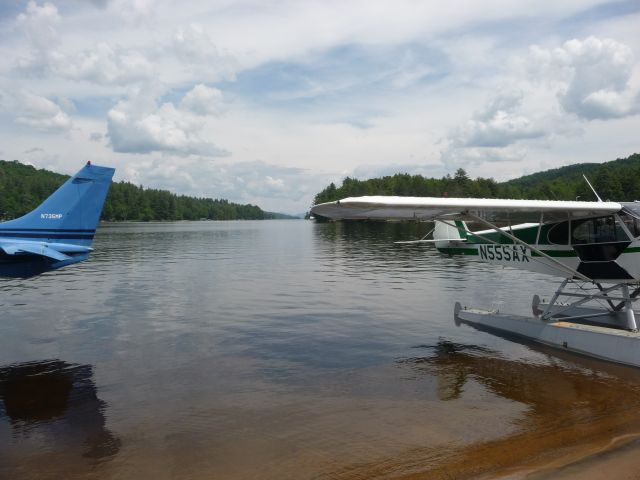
<point x="429" y="208"/>
<point x="34" y="248"/>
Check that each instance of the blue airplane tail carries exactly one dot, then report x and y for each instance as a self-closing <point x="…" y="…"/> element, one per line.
<point x="70" y="215"/>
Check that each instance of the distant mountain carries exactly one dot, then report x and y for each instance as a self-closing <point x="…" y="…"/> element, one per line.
<point x="282" y="216"/>
<point x="568" y="172"/>
<point x="23" y="187"/>
<point x="615" y="180"/>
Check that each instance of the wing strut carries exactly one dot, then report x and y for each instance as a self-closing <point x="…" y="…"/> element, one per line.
<point x="561" y="265"/>
<point x="591" y="187"/>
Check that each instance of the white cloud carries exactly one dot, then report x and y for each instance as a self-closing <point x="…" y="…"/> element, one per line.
<point x="197" y="51"/>
<point x="496" y="133"/>
<point x="594" y="77"/>
<point x="276" y="184"/>
<point x="134" y="11"/>
<point x="33" y="150"/>
<point x="139" y="125"/>
<point x="557" y="90"/>
<point x="499" y="124"/>
<point x="100" y="3"/>
<point x="252" y="180"/>
<point x="39" y="24"/>
<point x="271" y="186"/>
<point x="103" y="65"/>
<point x="372" y="171"/>
<point x="41" y="114"/>
<point x="478" y="155"/>
<point x="202" y="100"/>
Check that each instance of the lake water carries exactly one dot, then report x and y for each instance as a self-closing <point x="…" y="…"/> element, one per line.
<point x="286" y="350"/>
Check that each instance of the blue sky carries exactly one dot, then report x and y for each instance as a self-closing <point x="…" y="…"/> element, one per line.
<point x="267" y="102"/>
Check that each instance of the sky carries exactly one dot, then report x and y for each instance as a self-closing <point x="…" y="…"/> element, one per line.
<point x="266" y="102"/>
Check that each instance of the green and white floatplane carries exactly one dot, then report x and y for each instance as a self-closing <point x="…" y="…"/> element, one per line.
<point x="593" y="246"/>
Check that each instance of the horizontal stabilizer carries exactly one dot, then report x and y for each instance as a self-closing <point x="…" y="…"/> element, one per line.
<point x="34" y="248"/>
<point x="433" y="240"/>
<point x="411" y="242"/>
<point x="456" y="240"/>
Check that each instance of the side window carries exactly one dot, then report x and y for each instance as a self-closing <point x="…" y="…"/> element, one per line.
<point x="597" y="230"/>
<point x="559" y="233"/>
<point x="582" y="231"/>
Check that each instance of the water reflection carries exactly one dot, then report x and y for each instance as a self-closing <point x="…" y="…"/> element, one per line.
<point x="370" y="245"/>
<point x="570" y="402"/>
<point x="51" y="407"/>
<point x="351" y="248"/>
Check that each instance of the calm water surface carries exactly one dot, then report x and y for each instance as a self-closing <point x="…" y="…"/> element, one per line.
<point x="285" y="349"/>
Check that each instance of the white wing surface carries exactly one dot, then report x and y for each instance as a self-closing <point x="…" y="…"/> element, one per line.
<point x="428" y="208"/>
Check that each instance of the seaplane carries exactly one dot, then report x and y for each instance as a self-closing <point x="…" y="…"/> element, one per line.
<point x="594" y="247"/>
<point x="60" y="231"/>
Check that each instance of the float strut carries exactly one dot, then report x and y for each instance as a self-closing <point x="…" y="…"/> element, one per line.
<point x="631" y="318"/>
<point x="555" y="297"/>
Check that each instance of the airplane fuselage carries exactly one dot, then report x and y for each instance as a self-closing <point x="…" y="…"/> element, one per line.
<point x="601" y="248"/>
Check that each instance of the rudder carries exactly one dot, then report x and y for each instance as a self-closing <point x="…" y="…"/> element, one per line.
<point x="443" y="233"/>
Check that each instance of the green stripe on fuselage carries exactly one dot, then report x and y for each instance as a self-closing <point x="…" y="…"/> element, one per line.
<point x="527" y="235"/>
<point x="461" y="228"/>
<point x="458" y="251"/>
<point x="556" y="253"/>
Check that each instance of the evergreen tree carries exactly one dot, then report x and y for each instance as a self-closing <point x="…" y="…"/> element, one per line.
<point x="22" y="188"/>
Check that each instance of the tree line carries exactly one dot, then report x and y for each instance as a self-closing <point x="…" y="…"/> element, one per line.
<point x="617" y="180"/>
<point x="23" y="188"/>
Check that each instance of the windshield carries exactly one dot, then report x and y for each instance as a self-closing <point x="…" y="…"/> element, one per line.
<point x="631" y="222"/>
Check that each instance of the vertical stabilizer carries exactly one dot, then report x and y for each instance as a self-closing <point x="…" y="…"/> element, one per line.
<point x="70" y="215"/>
<point x="443" y="233"/>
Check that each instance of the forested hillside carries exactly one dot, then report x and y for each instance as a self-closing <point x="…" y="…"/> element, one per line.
<point x="23" y="187"/>
<point x="615" y="180"/>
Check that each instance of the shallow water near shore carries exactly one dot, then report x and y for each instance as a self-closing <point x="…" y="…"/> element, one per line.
<point x="288" y="349"/>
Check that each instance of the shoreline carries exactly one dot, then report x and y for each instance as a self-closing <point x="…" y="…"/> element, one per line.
<point x="619" y="459"/>
<point x="144" y="222"/>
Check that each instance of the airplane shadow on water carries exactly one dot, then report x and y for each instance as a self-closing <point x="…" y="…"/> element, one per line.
<point x="51" y="407"/>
